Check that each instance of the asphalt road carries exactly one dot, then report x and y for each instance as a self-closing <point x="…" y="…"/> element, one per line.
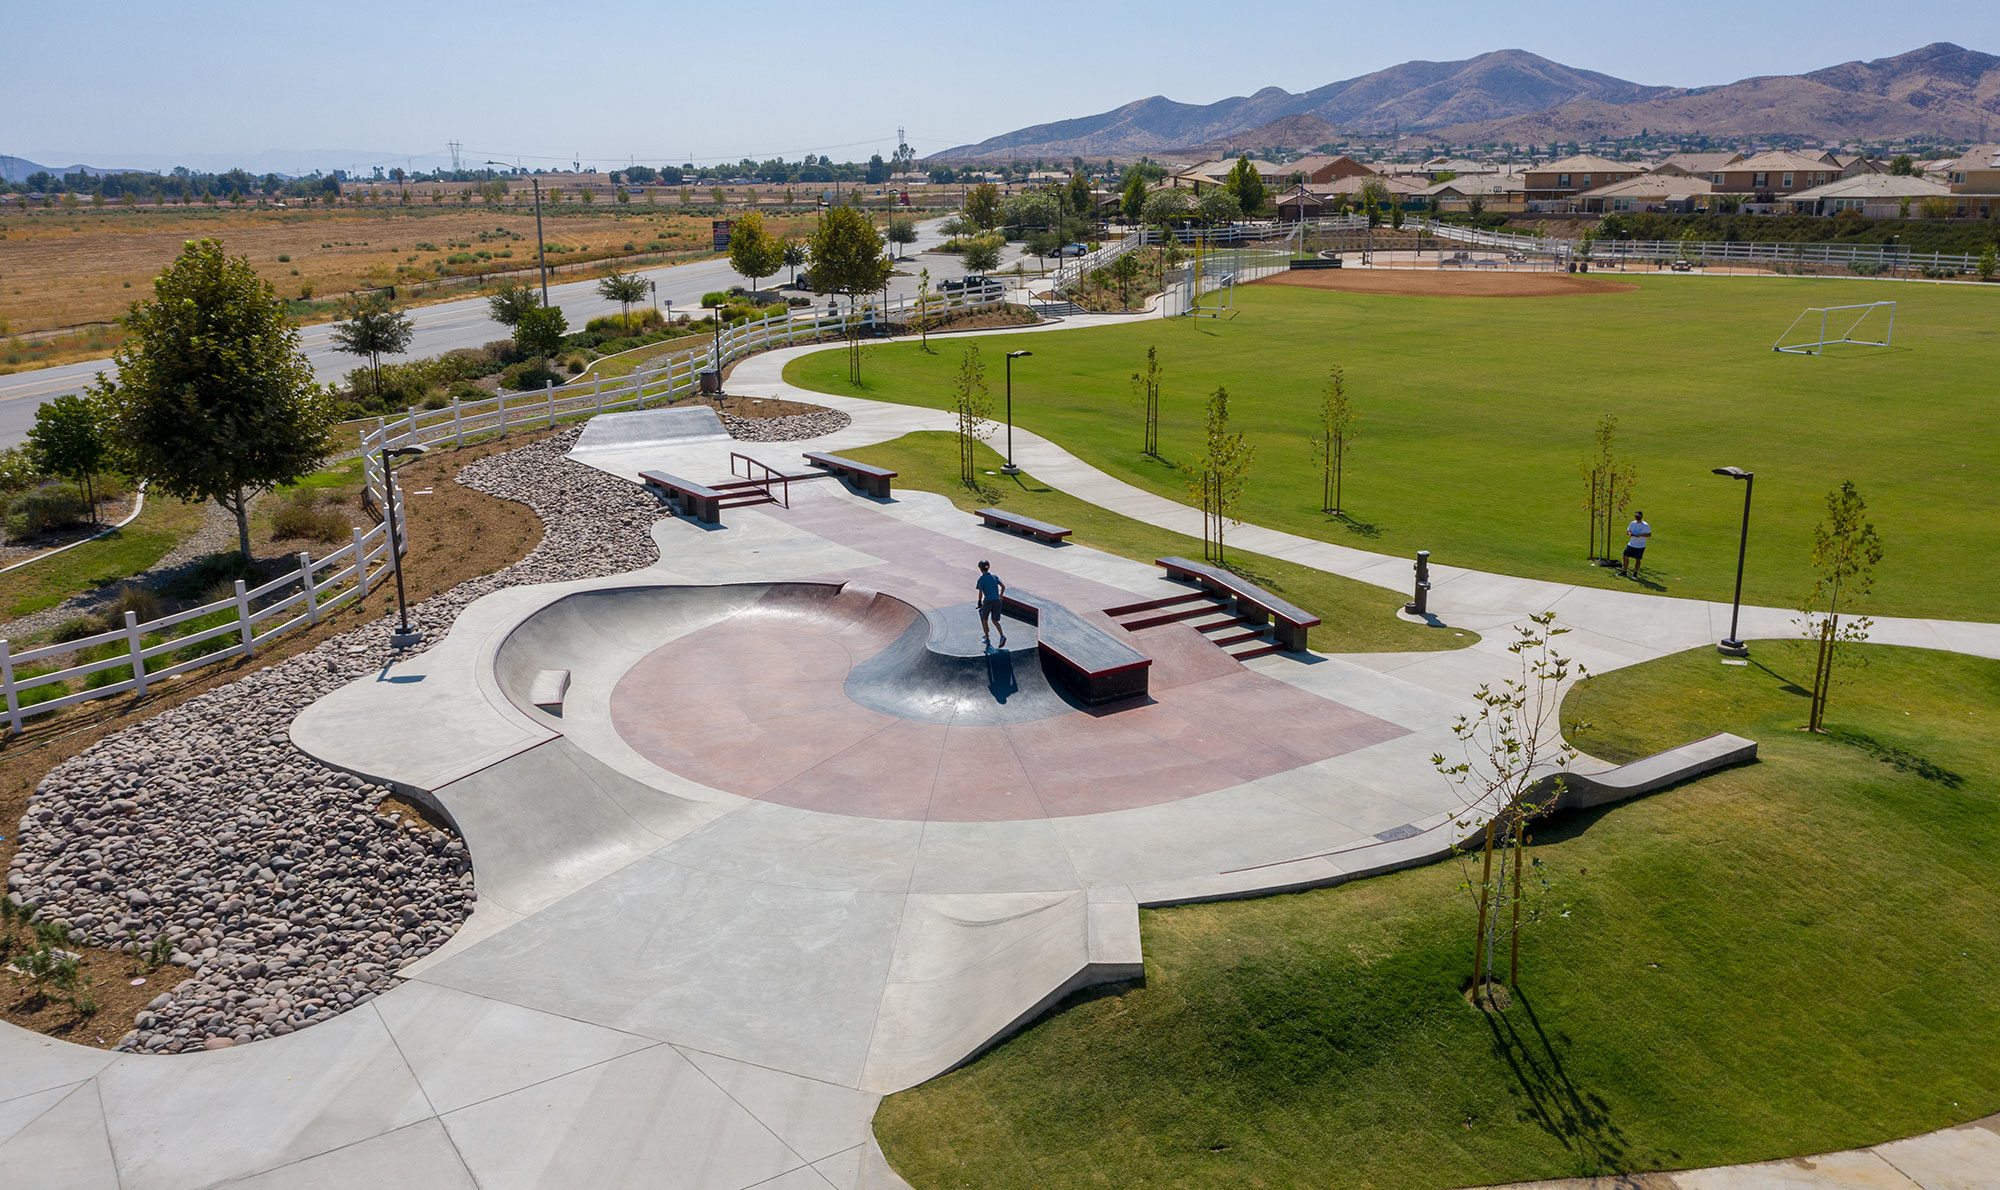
<point x="466" y="323"/>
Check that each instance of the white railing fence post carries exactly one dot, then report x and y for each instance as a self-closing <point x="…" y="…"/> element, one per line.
<point x="133" y="643"/>
<point x="410" y="426"/>
<point x="243" y="618"/>
<point x="306" y="582"/>
<point x="500" y="395"/>
<point x="7" y="681"/>
<point x="549" y="387"/>
<point x="360" y="568"/>
<point x="597" y="390"/>
<point x="457" y="424"/>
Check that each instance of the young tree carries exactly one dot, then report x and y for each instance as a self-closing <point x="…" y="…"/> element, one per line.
<point x="794" y="256"/>
<point x="1246" y="185"/>
<point x="973" y="406"/>
<point x="902" y="233"/>
<point x="1218" y="476"/>
<point x="846" y="253"/>
<point x="214" y="400"/>
<point x="540" y="332"/>
<point x="753" y="251"/>
<point x="924" y="310"/>
<point x="982" y="205"/>
<point x="1146" y="387"/>
<point x="982" y="253"/>
<point x="1164" y="208"/>
<point x="624" y="288"/>
<point x="1076" y="196"/>
<point x="1608" y="479"/>
<point x="374" y="328"/>
<point x="1989" y="263"/>
<point x="1132" y="203"/>
<point x="1125" y="270"/>
<point x="1508" y="773"/>
<point x="1336" y="437"/>
<point x="68" y="439"/>
<point x="1845" y="551"/>
<point x="1217" y="207"/>
<point x="510" y="301"/>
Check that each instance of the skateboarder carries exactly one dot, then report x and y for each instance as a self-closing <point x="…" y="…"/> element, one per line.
<point x="990" y="587"/>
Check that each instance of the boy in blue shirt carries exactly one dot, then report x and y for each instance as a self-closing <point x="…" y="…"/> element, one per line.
<point x="989" y="587"/>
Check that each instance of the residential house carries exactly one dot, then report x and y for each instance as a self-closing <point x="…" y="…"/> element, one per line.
<point x="1877" y="196"/>
<point x="1771" y="176"/>
<point x="1560" y="179"/>
<point x="1496" y="192"/>
<point x="1321" y="169"/>
<point x="1675" y="192"/>
<point x="1975" y="179"/>
<point x="1697" y="165"/>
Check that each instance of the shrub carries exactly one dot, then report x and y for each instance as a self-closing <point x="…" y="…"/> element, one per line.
<point x="465" y="390"/>
<point x="524" y="376"/>
<point x="204" y="578"/>
<point x="17" y="474"/>
<point x="715" y="297"/>
<point x="48" y="507"/>
<point x="141" y="601"/>
<point x="76" y="628"/>
<point x="300" y="515"/>
<point x="615" y="325"/>
<point x="575" y="364"/>
<point x="284" y="258"/>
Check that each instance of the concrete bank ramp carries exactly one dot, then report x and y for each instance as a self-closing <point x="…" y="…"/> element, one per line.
<point x="650" y="427"/>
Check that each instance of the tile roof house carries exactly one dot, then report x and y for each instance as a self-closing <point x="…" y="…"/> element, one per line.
<point x="1680" y="193"/>
<point x="1699" y="165"/>
<point x="1573" y="175"/>
<point x="1769" y="176"/>
<point x="1877" y="196"/>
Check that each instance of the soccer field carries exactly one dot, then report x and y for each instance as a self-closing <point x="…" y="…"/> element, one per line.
<point x="1476" y="412"/>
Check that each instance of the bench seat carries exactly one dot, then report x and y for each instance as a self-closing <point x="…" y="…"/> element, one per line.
<point x="1000" y="518"/>
<point x="868" y="478"/>
<point x="1252" y="602"/>
<point x="685" y="496"/>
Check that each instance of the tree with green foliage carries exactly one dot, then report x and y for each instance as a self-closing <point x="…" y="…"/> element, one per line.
<point x="1903" y="166"/>
<point x="924" y="311"/>
<point x="1246" y="186"/>
<point x="627" y="289"/>
<point x="902" y="233"/>
<point x="982" y="253"/>
<point x="1845" y="552"/>
<point x="1507" y="751"/>
<point x="846" y="253"/>
<point x="373" y="328"/>
<point x="540" y="332"/>
<point x="1609" y="479"/>
<point x="511" y="300"/>
<point x="794" y="256"/>
<point x="972" y="405"/>
<point x="1217" y="207"/>
<point x="214" y="400"/>
<point x="1125" y="270"/>
<point x="754" y="252"/>
<point x="1989" y="263"/>
<point x="68" y="439"/>
<point x="1044" y="244"/>
<point x="1337" y="421"/>
<point x="1218" y="476"/>
<point x="1165" y="208"/>
<point x="1132" y="203"/>
<point x="982" y="205"/>
<point x="1076" y="196"/>
<point x="1146" y="386"/>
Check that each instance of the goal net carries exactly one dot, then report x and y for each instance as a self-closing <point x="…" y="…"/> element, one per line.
<point x="1872" y="324"/>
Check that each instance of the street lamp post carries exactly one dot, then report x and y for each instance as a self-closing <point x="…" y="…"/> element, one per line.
<point x="541" y="252"/>
<point x="1010" y="468"/>
<point x="1732" y="645"/>
<point x="405" y="635"/>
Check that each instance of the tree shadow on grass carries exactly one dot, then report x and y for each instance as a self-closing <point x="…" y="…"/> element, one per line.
<point x="1901" y="759"/>
<point x="1360" y="528"/>
<point x="1576" y="1117"/>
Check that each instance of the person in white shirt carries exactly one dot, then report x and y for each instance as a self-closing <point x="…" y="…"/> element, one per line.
<point x="1637" y="534"/>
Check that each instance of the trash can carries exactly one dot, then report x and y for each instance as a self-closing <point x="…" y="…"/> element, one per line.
<point x="711" y="383"/>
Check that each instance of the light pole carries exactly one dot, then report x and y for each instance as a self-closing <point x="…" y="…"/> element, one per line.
<point x="405" y="635"/>
<point x="1010" y="468"/>
<point x="1732" y="645"/>
<point x="541" y="252"/>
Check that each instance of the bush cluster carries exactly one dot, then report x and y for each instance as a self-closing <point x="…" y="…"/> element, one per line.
<point x="37" y="510"/>
<point x="301" y="514"/>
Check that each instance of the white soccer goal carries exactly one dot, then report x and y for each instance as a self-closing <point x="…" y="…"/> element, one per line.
<point x="1825" y="326"/>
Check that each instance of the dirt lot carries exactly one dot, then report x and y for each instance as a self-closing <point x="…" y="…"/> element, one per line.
<point x="63" y="268"/>
<point x="1449" y="282"/>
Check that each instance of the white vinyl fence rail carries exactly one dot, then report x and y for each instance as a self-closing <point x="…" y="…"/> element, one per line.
<point x="673" y="378"/>
<point x="140" y="655"/>
<point x="1870" y="257"/>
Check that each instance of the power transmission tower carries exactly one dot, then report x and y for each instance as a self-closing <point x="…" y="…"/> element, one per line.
<point x="454" y="146"/>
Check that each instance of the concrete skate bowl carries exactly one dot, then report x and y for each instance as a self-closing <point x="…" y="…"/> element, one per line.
<point x="844" y="700"/>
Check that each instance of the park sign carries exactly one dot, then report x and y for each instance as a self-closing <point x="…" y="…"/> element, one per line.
<point x="722" y="229"/>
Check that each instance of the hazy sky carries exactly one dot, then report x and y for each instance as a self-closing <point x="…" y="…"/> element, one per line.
<point x="151" y="84"/>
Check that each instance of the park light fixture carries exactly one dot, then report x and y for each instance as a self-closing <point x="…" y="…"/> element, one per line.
<point x="541" y="253"/>
<point x="1010" y="468"/>
<point x="1732" y="645"/>
<point x="405" y="635"/>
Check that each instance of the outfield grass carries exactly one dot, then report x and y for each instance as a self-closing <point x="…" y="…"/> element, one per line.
<point x="1356" y="617"/>
<point x="1785" y="958"/>
<point x="117" y="555"/>
<point x="1475" y="413"/>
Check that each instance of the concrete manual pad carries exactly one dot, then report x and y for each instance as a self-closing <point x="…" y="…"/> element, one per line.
<point x="419" y="1157"/>
<point x="684" y="426"/>
<point x="63" y="1146"/>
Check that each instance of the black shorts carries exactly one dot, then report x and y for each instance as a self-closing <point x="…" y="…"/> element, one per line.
<point x="1635" y="551"/>
<point x="990" y="607"/>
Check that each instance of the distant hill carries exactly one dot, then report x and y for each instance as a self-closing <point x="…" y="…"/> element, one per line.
<point x="1941" y="91"/>
<point x="17" y="169"/>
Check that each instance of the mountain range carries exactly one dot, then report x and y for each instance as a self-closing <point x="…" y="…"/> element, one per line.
<point x="1941" y="91"/>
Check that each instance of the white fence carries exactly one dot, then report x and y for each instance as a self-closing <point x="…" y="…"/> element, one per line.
<point x="675" y="376"/>
<point x="157" y="650"/>
<point x="1871" y="257"/>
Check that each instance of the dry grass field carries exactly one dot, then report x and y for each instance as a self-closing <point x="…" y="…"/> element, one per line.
<point x="62" y="268"/>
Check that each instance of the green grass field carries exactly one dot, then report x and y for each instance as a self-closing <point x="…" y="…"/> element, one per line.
<point x="120" y="554"/>
<point x="1476" y="413"/>
<point x="1356" y="617"/>
<point x="1784" y="958"/>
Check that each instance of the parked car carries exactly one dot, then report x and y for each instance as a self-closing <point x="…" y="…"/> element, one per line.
<point x="1071" y="250"/>
<point x="970" y="281"/>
